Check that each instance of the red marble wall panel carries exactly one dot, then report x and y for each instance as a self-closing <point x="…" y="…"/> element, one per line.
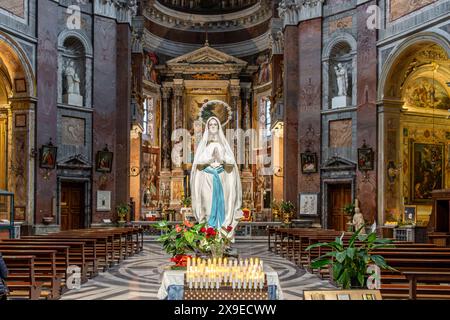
<point x="105" y="99"/>
<point x="367" y="109"/>
<point x="46" y="114"/>
<point x="310" y="50"/>
<point x="123" y="113"/>
<point x="291" y="83"/>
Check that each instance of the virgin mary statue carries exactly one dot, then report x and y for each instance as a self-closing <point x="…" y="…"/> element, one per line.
<point x="215" y="181"/>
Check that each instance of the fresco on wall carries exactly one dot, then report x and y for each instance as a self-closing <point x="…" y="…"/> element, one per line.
<point x="420" y="93"/>
<point x="16" y="7"/>
<point x="427" y="171"/>
<point x="400" y="8"/>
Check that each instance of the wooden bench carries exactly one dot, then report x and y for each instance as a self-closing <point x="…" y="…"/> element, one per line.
<point x="44" y="268"/>
<point x="22" y="287"/>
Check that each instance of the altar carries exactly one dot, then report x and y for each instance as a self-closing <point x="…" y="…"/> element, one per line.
<point x="173" y="281"/>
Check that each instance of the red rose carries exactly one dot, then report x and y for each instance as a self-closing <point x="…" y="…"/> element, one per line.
<point x="203" y="230"/>
<point x="211" y="232"/>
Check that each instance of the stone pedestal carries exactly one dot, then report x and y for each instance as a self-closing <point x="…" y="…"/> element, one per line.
<point x="73" y="99"/>
<point x="341" y="102"/>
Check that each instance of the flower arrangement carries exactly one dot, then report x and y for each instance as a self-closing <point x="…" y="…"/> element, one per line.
<point x="179" y="240"/>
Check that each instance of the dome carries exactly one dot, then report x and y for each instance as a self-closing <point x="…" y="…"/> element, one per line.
<point x="208" y="6"/>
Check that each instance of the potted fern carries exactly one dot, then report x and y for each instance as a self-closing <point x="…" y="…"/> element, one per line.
<point x="348" y="262"/>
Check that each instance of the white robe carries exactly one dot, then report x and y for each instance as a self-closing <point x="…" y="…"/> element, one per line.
<point x="202" y="182"/>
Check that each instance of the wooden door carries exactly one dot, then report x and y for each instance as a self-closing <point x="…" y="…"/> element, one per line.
<point x="339" y="195"/>
<point x="72" y="206"/>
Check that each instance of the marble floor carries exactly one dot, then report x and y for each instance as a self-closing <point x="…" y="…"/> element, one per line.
<point x="138" y="277"/>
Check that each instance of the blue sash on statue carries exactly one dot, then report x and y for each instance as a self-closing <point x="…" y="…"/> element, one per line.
<point x="217" y="216"/>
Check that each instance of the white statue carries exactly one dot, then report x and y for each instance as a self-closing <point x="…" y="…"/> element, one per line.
<point x="216" y="188"/>
<point x="342" y="79"/>
<point x="72" y="79"/>
<point x="358" y="219"/>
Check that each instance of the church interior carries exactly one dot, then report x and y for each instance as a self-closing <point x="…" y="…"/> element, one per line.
<point x="160" y="149"/>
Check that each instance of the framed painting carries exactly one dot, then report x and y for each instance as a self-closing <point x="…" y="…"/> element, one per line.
<point x="104" y="161"/>
<point x="47" y="157"/>
<point x="19" y="214"/>
<point x="365" y="159"/>
<point x="410" y="214"/>
<point x="427" y="172"/>
<point x="309" y="162"/>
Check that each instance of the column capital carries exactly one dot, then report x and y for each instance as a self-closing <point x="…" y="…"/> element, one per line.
<point x="166" y="91"/>
<point x="235" y="91"/>
<point x="294" y="11"/>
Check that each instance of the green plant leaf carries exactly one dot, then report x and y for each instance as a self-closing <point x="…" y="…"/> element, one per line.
<point x="340" y="256"/>
<point x="320" y="263"/>
<point x="351" y="252"/>
<point x="189" y="237"/>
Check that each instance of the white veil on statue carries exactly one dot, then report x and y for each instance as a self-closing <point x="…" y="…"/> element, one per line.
<point x="202" y="182"/>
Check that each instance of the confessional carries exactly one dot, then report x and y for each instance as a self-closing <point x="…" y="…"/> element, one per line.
<point x="439" y="225"/>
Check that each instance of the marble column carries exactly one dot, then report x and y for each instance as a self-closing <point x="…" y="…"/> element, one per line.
<point x="246" y="122"/>
<point x="290" y="117"/>
<point x="367" y="109"/>
<point x="166" y="129"/>
<point x="235" y="92"/>
<point x="177" y="180"/>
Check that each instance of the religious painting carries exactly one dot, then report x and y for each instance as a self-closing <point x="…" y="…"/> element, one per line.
<point x="365" y="159"/>
<point x="426" y="93"/>
<point x="264" y="74"/>
<point x="309" y="162"/>
<point x="20" y="85"/>
<point x="195" y="101"/>
<point x="427" y="172"/>
<point x="410" y="214"/>
<point x="104" y="161"/>
<point x="19" y="214"/>
<point x="103" y="200"/>
<point x="150" y="61"/>
<point x="47" y="158"/>
<point x="21" y="120"/>
<point x="308" y="203"/>
<point x="400" y="8"/>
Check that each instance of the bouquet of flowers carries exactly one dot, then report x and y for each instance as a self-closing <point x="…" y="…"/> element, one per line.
<point x="216" y="241"/>
<point x="179" y="240"/>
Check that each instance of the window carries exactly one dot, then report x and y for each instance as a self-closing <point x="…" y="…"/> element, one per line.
<point x="267" y="108"/>
<point x="148" y="117"/>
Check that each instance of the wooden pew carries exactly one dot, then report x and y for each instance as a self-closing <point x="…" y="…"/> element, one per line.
<point x="44" y="268"/>
<point x="22" y="287"/>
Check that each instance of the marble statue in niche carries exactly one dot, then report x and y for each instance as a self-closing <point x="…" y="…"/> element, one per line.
<point x="342" y="79"/>
<point x="72" y="81"/>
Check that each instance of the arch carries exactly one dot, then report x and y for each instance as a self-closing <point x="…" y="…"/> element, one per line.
<point x="338" y="38"/>
<point x="7" y="44"/>
<point x="401" y="49"/>
<point x="65" y="34"/>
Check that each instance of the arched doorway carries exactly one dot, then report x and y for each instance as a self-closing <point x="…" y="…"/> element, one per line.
<point x="17" y="92"/>
<point x="414" y="127"/>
